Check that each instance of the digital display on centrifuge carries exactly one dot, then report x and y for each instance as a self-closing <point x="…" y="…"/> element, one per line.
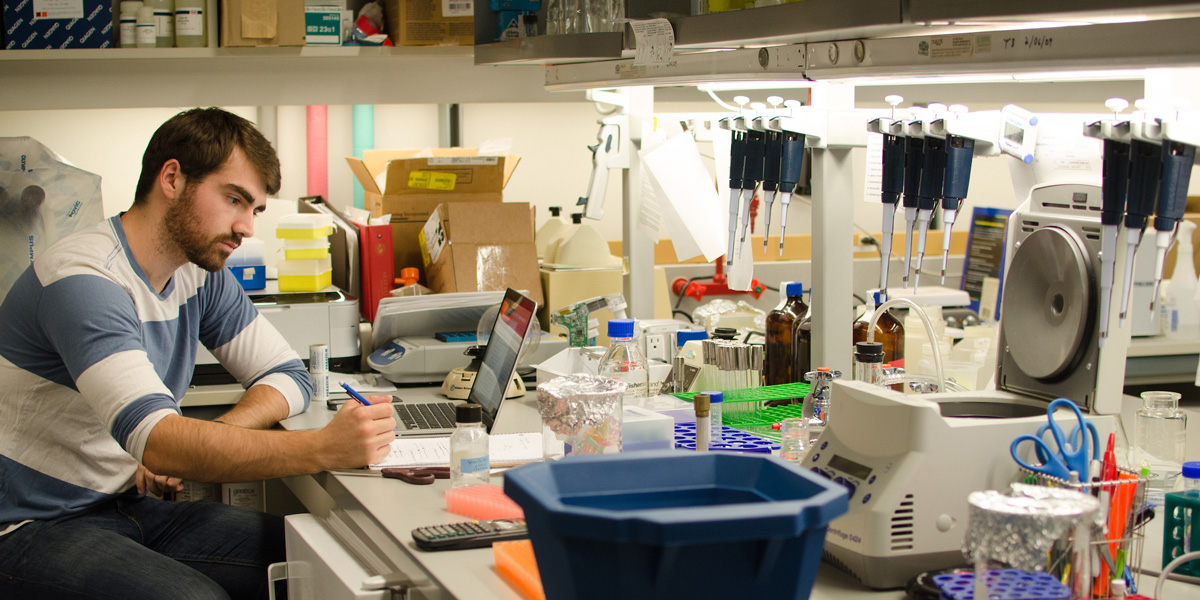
<point x="849" y="467"/>
<point x="1013" y="133"/>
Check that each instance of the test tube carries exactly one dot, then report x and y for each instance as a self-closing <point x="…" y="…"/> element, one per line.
<point x="715" y="401"/>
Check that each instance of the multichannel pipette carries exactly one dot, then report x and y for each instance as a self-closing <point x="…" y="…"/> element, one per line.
<point x="959" y="154"/>
<point x="1145" y="161"/>
<point x="756" y="147"/>
<point x="771" y="165"/>
<point x="892" y="183"/>
<point x="1114" y="186"/>
<point x="914" y="161"/>
<point x="933" y="173"/>
<point x="1177" y="160"/>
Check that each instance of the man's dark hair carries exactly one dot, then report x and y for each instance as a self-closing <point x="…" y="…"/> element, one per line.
<point x="202" y="139"/>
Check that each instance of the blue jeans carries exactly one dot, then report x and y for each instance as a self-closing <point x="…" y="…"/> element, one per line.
<point x="141" y="547"/>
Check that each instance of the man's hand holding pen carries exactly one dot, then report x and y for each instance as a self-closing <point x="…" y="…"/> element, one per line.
<point x="359" y="434"/>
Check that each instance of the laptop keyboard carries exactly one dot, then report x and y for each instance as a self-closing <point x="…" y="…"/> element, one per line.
<point x="433" y="415"/>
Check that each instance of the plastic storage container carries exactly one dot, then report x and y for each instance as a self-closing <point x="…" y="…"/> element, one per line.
<point x="305" y="275"/>
<point x="248" y="264"/>
<point x="306" y="249"/>
<point x="675" y="525"/>
<point x="304" y="227"/>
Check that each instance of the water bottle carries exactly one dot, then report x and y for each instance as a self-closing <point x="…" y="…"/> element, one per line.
<point x="1159" y="438"/>
<point x="469" y="463"/>
<point x="624" y="360"/>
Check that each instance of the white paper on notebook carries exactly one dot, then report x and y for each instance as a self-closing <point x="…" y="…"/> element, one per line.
<point x="503" y="450"/>
<point x="688" y="187"/>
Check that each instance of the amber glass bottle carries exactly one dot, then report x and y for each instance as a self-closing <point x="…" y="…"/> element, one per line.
<point x="889" y="331"/>
<point x="781" y="324"/>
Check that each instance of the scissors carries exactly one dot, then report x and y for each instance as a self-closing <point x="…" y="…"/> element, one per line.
<point x="417" y="475"/>
<point x="1073" y="452"/>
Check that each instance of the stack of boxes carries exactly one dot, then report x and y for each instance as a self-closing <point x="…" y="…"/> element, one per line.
<point x="306" y="266"/>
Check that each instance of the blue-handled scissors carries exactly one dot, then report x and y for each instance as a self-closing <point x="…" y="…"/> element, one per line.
<point x="1074" y="453"/>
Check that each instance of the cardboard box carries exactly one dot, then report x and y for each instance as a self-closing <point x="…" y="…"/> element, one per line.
<point x="471" y="247"/>
<point x="44" y="24"/>
<point x="430" y="22"/>
<point x="416" y="186"/>
<point x="246" y="23"/>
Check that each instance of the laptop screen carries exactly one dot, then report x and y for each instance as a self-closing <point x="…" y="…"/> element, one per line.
<point x="500" y="355"/>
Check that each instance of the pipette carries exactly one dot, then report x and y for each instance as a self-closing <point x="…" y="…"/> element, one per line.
<point x="756" y="146"/>
<point x="933" y="173"/>
<point x="771" y="166"/>
<point x="737" y="165"/>
<point x="1114" y="185"/>
<point x="1177" y="160"/>
<point x="789" y="173"/>
<point x="1145" y="160"/>
<point x="892" y="183"/>
<point x="914" y="161"/>
<point x="959" y="154"/>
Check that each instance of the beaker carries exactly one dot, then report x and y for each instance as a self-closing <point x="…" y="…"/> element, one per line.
<point x="793" y="433"/>
<point x="581" y="414"/>
<point x="1159" y="439"/>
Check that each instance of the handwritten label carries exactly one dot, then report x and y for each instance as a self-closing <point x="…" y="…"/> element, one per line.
<point x="1028" y="42"/>
<point x="432" y="180"/>
<point x="655" y="41"/>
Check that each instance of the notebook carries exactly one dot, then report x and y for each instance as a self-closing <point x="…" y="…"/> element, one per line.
<point x="496" y="369"/>
<point x="503" y="450"/>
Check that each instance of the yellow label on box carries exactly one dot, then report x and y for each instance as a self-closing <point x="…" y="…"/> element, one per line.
<point x="432" y="180"/>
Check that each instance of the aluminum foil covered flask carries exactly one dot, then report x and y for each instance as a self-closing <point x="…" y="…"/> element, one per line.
<point x="581" y="414"/>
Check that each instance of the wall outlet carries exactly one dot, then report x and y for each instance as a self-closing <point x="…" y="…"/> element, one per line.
<point x="656" y="347"/>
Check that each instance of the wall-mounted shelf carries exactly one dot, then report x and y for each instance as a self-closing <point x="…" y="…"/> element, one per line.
<point x="151" y="77"/>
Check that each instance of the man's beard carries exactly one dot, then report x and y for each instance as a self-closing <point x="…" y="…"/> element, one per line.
<point x="180" y="226"/>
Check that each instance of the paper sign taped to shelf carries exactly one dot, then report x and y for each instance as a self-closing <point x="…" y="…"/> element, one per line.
<point x="655" y="41"/>
<point x="432" y="180"/>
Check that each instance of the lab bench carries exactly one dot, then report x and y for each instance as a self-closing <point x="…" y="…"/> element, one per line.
<point x="372" y="519"/>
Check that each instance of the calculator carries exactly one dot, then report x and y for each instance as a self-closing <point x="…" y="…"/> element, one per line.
<point x="469" y="534"/>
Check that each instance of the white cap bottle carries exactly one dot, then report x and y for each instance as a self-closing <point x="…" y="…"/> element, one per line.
<point x="1178" y="309"/>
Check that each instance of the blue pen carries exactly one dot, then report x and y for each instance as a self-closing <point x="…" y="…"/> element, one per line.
<point x="355" y="395"/>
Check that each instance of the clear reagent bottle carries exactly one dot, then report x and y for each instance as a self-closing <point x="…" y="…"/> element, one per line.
<point x="469" y="462"/>
<point x="624" y="360"/>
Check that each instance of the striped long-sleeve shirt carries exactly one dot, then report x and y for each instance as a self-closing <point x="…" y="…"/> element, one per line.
<point x="91" y="358"/>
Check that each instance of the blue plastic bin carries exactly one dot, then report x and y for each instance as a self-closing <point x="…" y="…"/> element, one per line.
<point x="675" y="524"/>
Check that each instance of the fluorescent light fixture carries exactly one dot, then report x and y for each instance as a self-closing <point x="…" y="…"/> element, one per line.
<point x="1031" y="77"/>
<point x="734" y="86"/>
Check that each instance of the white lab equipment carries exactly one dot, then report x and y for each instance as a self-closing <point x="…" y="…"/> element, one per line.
<point x="1180" y="315"/>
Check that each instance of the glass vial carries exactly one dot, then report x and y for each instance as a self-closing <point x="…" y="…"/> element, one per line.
<point x="868" y="362"/>
<point x="191" y="27"/>
<point x="715" y="401"/>
<point x="1159" y="437"/>
<point x="624" y="360"/>
<point x="128" y="20"/>
<point x="469" y="463"/>
<point x="146" y="30"/>
<point x="793" y="437"/>
<point x="781" y="325"/>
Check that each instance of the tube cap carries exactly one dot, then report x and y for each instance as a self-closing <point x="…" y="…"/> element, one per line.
<point x="700" y="402"/>
<point x="1191" y="469"/>
<point x="724" y="333"/>
<point x="620" y="328"/>
<point x="868" y="352"/>
<point x="793" y="288"/>
<point x="684" y="336"/>
<point x="719" y="397"/>
<point x="468" y="413"/>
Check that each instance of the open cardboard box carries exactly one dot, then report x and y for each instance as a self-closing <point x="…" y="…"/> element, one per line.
<point x="414" y="187"/>
<point x="472" y="247"/>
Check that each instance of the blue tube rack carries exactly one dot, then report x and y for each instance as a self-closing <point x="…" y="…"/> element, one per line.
<point x="732" y="440"/>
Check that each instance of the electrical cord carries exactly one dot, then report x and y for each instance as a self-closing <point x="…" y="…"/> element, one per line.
<point x="1171" y="566"/>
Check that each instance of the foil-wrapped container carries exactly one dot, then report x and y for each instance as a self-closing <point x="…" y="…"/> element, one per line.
<point x="1034" y="528"/>
<point x="581" y="414"/>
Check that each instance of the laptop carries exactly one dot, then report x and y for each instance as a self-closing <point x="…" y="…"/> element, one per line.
<point x="496" y="369"/>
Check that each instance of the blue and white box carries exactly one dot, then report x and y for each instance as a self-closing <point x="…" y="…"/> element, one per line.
<point x="45" y="24"/>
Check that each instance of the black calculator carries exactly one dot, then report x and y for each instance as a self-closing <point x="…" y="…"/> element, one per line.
<point x="469" y="534"/>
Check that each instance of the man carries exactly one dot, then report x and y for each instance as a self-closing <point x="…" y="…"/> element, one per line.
<point x="97" y="344"/>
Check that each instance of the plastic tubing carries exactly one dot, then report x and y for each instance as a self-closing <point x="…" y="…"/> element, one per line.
<point x="937" y="352"/>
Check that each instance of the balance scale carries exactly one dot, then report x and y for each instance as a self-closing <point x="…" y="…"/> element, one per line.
<point x="909" y="461"/>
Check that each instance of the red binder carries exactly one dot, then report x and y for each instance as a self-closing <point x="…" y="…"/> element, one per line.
<point x="378" y="267"/>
